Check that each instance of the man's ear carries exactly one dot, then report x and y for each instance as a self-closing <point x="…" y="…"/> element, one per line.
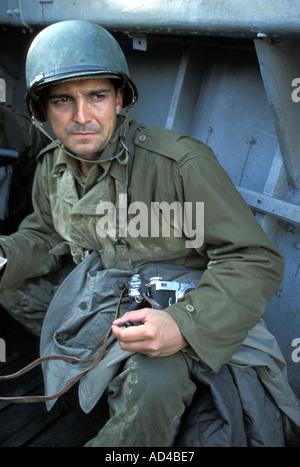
<point x="119" y="100"/>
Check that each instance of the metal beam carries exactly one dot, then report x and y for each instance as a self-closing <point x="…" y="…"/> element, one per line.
<point x="279" y="65"/>
<point x="273" y="206"/>
<point x="177" y="89"/>
<point x="275" y="186"/>
<point x="233" y="18"/>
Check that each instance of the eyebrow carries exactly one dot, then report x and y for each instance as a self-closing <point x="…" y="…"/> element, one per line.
<point x="88" y="93"/>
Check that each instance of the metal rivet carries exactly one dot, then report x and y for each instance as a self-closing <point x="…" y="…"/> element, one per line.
<point x="189" y="308"/>
<point x="142" y="137"/>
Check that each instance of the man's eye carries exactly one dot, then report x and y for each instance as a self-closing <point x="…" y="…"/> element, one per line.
<point x="60" y="100"/>
<point x="97" y="97"/>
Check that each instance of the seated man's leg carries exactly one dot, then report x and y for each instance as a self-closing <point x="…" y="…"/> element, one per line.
<point x="147" y="400"/>
<point x="29" y="302"/>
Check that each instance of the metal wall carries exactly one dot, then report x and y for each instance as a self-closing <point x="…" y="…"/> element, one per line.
<point x="222" y="72"/>
<point x="240" y="18"/>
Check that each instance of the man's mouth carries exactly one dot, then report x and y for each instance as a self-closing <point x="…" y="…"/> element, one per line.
<point x="83" y="134"/>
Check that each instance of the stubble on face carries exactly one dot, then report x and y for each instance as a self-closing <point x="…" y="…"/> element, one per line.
<point x="83" y="114"/>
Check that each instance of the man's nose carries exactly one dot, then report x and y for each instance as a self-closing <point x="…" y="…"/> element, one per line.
<point x="81" y="112"/>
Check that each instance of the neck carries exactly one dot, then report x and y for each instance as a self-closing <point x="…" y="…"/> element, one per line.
<point x="85" y="167"/>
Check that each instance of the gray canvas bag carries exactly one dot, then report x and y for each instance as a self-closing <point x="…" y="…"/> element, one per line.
<point x="80" y="314"/>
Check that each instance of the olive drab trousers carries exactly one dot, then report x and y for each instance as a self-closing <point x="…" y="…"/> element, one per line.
<point x="147" y="400"/>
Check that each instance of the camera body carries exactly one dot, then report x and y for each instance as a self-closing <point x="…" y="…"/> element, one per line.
<point x="165" y="293"/>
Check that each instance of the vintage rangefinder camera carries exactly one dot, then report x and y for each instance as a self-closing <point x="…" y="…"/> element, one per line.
<point x="165" y="293"/>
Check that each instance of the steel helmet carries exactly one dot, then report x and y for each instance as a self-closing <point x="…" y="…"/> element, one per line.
<point x="74" y="49"/>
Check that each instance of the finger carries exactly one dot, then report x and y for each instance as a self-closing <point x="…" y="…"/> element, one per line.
<point x="129" y="334"/>
<point x="133" y="341"/>
<point x="138" y="316"/>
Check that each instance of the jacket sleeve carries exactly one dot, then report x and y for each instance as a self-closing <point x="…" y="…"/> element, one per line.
<point x="243" y="268"/>
<point x="27" y="250"/>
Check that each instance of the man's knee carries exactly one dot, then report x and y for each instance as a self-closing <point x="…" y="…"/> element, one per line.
<point x="27" y="305"/>
<point x="160" y="377"/>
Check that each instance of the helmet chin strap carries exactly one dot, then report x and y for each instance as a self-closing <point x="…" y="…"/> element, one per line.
<point x="120" y="134"/>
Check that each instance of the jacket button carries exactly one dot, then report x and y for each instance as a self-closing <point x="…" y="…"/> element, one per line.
<point x="142" y="137"/>
<point x="190" y="308"/>
<point x="83" y="305"/>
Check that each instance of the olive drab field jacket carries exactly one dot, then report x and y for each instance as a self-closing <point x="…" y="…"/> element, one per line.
<point x="241" y="269"/>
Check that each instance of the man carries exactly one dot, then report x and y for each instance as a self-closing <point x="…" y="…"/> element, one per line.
<point x="101" y="161"/>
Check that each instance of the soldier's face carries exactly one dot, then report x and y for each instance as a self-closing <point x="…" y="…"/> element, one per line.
<point x="83" y="114"/>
